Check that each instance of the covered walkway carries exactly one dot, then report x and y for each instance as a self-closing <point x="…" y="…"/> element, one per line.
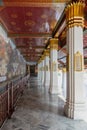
<point x="38" y="110"/>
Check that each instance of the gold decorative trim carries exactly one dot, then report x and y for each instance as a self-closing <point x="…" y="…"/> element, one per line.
<point x="29" y="23"/>
<point x="54" y="44"/>
<point x="78" y="61"/>
<point x="64" y="70"/>
<point x="42" y="58"/>
<point x="75" y="14"/>
<point x="46" y="52"/>
<point x="54" y="66"/>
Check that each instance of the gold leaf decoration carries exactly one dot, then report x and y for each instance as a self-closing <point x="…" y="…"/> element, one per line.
<point x="29" y="14"/>
<point x="13" y="23"/>
<point x="44" y="16"/>
<point x="14" y="16"/>
<point x="29" y="23"/>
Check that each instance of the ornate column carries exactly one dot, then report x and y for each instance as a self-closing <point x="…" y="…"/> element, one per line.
<point x="53" y="66"/>
<point x="64" y="79"/>
<point x="75" y="102"/>
<point x="60" y="90"/>
<point x="39" y="69"/>
<point x="42" y="69"/>
<point x="46" y="69"/>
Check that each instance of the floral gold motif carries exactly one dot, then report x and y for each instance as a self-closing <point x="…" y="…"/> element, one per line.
<point x="29" y="14"/>
<point x="44" y="16"/>
<point x="13" y="23"/>
<point x="14" y="16"/>
<point x="29" y="23"/>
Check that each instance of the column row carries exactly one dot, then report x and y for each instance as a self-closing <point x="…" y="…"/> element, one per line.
<point x="75" y="106"/>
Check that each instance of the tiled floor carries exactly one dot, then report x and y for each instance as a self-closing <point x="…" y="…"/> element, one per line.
<point x="38" y="110"/>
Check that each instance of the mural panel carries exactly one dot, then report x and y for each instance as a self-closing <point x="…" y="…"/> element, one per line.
<point x="11" y="62"/>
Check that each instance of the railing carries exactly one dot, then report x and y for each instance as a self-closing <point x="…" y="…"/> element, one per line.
<point x="9" y="94"/>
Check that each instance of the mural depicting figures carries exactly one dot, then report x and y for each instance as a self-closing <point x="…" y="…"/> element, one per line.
<point x="11" y="62"/>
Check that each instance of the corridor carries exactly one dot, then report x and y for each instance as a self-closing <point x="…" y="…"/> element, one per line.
<point x="38" y="110"/>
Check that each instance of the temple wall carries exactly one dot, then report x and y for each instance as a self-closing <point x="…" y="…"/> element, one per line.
<point x="11" y="61"/>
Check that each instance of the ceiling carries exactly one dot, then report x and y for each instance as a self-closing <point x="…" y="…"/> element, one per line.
<point x="30" y="24"/>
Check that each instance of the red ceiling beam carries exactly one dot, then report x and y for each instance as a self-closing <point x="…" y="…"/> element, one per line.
<point x="36" y="3"/>
<point x="29" y="35"/>
<point x="33" y="47"/>
<point x="31" y="53"/>
<point x="31" y="57"/>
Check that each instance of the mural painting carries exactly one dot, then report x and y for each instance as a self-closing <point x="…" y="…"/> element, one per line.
<point x="12" y="63"/>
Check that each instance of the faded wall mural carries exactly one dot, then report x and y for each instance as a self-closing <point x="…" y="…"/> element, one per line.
<point x="11" y="62"/>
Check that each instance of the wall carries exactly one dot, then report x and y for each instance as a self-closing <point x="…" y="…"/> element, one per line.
<point x="11" y="61"/>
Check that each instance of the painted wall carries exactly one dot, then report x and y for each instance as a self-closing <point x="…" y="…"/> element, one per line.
<point x="11" y="62"/>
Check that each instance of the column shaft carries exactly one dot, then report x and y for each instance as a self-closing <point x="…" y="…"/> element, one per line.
<point x="42" y="80"/>
<point x="53" y="67"/>
<point x="75" y="102"/>
<point x="47" y="72"/>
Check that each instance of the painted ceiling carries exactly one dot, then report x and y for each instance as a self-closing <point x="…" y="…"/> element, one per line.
<point x="30" y="24"/>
